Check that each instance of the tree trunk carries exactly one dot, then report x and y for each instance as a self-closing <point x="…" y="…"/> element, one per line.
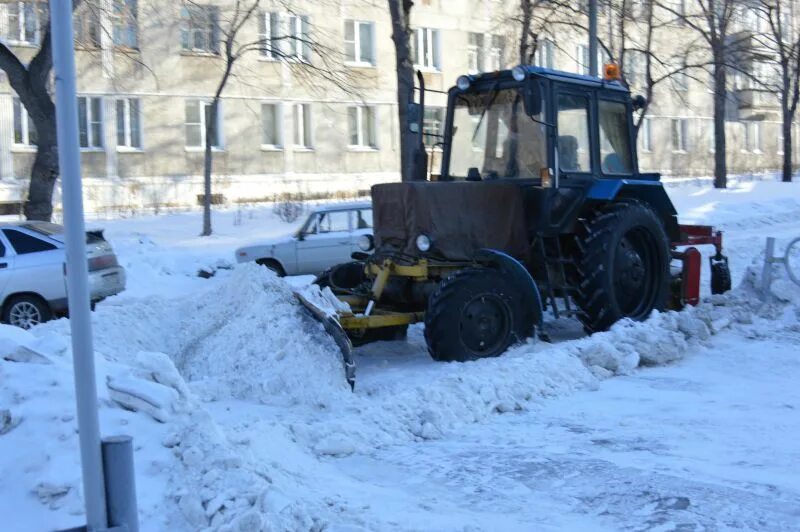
<point x="39" y="205"/>
<point x="720" y="96"/>
<point x="401" y="34"/>
<point x="787" y="146"/>
<point x="211" y="134"/>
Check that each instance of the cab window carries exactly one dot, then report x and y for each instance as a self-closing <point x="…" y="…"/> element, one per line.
<point x="574" y="149"/>
<point x="615" y="149"/>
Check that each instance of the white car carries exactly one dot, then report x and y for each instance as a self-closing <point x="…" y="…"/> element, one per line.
<point x="33" y="285"/>
<point x="328" y="237"/>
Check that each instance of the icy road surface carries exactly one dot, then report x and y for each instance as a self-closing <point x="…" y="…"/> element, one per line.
<point x="242" y="421"/>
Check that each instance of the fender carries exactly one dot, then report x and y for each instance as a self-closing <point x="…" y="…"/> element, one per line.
<point x="520" y="275"/>
<point x="647" y="191"/>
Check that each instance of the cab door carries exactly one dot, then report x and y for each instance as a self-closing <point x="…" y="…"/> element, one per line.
<point x="6" y="266"/>
<point x="574" y="122"/>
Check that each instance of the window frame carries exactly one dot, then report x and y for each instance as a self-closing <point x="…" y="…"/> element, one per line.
<point x="475" y="51"/>
<point x="211" y="28"/>
<point x="127" y="130"/>
<point x="270" y="51"/>
<point x="278" y="126"/>
<point x="646" y="129"/>
<point x="13" y="248"/>
<point x="302" y="126"/>
<point x="357" y="59"/>
<point x="363" y="143"/>
<point x="431" y="62"/>
<point x="91" y="120"/>
<point x="39" y="8"/>
<point x="300" y="49"/>
<point x="591" y="123"/>
<point x="683" y="135"/>
<point x="25" y="126"/>
<point x="203" y="104"/>
<point x="545" y="50"/>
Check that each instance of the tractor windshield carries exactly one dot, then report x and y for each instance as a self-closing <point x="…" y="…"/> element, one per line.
<point x="493" y="136"/>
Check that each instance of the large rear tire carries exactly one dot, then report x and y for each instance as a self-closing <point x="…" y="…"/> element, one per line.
<point x="475" y="313"/>
<point x="622" y="265"/>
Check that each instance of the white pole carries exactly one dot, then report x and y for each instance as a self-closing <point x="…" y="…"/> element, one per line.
<point x="77" y="270"/>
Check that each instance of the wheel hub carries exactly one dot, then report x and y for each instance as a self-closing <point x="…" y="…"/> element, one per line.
<point x="485" y="324"/>
<point x="24" y="315"/>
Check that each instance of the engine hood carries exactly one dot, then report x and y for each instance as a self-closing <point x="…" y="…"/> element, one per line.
<point x="460" y="217"/>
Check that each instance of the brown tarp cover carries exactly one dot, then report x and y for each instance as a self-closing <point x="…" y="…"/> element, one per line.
<point x="460" y="217"/>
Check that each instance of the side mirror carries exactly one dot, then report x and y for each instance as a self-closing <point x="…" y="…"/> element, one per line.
<point x="414" y="117"/>
<point x="532" y="97"/>
<point x="638" y="102"/>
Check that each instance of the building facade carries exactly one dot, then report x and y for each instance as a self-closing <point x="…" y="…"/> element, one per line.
<point x="311" y="106"/>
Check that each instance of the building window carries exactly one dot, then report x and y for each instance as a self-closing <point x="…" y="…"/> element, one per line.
<point x="86" y="24"/>
<point x="359" y="42"/>
<point x="679" y="11"/>
<point x="780" y="139"/>
<point x="271" y="125"/>
<point x="300" y="38"/>
<point x="200" y="29"/>
<point x="129" y="130"/>
<point x="124" y="23"/>
<point x="646" y="135"/>
<point x="680" y="129"/>
<point x="712" y="147"/>
<point x="680" y="78"/>
<point x="24" y="21"/>
<point x="497" y="52"/>
<point x="544" y="54"/>
<point x="426" y="49"/>
<point x="24" y="130"/>
<point x="90" y="122"/>
<point x="752" y="137"/>
<point x="433" y="126"/>
<point x="301" y="118"/>
<point x="362" y="126"/>
<point x="198" y="115"/>
<point x="269" y="34"/>
<point x="475" y="53"/>
<point x="633" y="68"/>
<point x="582" y="59"/>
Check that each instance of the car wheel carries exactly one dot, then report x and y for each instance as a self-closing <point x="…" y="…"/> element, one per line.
<point x="26" y="311"/>
<point x="273" y="265"/>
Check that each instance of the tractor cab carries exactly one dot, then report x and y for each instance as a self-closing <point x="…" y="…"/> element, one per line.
<point x="540" y="126"/>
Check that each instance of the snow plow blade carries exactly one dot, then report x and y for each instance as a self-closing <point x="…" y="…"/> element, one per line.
<point x="335" y="330"/>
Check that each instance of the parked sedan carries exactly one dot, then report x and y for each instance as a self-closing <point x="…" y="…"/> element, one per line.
<point x="327" y="238"/>
<point x="33" y="266"/>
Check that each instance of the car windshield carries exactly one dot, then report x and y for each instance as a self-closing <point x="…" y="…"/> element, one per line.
<point x="493" y="135"/>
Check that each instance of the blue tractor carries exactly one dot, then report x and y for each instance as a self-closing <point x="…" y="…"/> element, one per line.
<point x="539" y="207"/>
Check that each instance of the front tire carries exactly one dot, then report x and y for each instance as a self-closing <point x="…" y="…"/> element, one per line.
<point x="475" y="313"/>
<point x="622" y="266"/>
<point x="273" y="265"/>
<point x="26" y="311"/>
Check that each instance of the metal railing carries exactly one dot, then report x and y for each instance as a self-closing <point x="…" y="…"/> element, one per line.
<point x="770" y="259"/>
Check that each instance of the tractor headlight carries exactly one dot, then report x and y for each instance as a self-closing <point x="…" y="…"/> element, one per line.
<point x="518" y="73"/>
<point x="366" y="242"/>
<point x="423" y="243"/>
<point x="463" y="83"/>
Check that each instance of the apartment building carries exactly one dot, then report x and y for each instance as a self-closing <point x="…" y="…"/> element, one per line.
<point x="314" y="110"/>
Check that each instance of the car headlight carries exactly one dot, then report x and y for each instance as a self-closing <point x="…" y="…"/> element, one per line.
<point x="366" y="242"/>
<point x="423" y="243"/>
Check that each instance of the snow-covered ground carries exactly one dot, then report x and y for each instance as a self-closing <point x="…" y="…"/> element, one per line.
<point x="242" y="421"/>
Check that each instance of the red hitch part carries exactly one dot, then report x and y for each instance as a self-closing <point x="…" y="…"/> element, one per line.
<point x="696" y="235"/>
<point x="690" y="275"/>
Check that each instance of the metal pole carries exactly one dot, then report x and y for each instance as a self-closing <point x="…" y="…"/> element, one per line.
<point x="593" y="67"/>
<point x="766" y="273"/>
<point x="77" y="270"/>
<point x="120" y="483"/>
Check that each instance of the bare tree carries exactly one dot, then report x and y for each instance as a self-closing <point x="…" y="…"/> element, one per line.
<point x="785" y="44"/>
<point x="713" y="21"/>
<point x="297" y="47"/>
<point x="31" y="83"/>
<point x="400" y="11"/>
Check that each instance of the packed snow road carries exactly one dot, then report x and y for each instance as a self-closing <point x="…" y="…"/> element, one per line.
<point x="242" y="420"/>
